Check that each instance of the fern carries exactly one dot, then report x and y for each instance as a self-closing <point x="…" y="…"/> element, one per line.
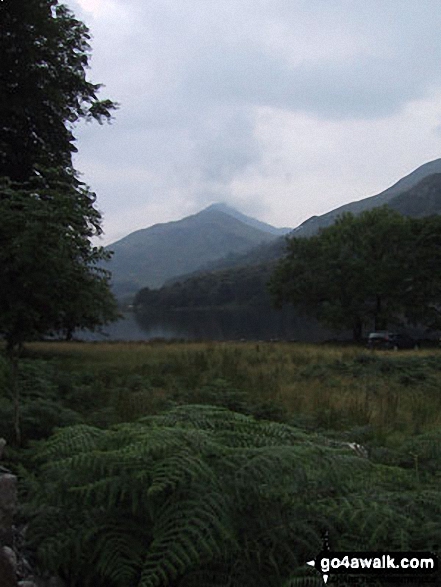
<point x="203" y="496"/>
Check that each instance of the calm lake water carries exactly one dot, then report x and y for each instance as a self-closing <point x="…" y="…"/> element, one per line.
<point x="238" y="324"/>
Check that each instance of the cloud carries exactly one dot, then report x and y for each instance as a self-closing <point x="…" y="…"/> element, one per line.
<point x="195" y="80"/>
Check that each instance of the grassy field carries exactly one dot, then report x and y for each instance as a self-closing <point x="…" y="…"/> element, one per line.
<point x="306" y="476"/>
<point x="380" y="397"/>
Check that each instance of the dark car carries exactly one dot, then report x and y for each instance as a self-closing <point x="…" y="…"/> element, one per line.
<point x="385" y="340"/>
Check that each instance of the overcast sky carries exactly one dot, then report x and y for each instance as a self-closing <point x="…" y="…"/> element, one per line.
<point x="281" y="108"/>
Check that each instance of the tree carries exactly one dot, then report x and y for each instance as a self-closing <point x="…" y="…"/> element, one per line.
<point x="47" y="214"/>
<point x="50" y="276"/>
<point x="44" y="91"/>
<point x="364" y="270"/>
<point x="423" y="282"/>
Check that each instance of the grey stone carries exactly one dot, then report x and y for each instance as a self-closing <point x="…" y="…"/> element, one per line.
<point x="7" y="572"/>
<point x="27" y="583"/>
<point x="56" y="582"/>
<point x="2" y="446"/>
<point x="8" y="506"/>
<point x="11" y="556"/>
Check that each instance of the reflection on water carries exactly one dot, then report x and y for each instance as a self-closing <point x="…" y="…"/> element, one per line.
<point x="221" y="324"/>
<point x="215" y="324"/>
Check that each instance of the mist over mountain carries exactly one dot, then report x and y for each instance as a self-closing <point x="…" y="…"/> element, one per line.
<point x="151" y="256"/>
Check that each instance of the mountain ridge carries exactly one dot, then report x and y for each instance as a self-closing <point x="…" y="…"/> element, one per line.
<point x="313" y="224"/>
<point x="150" y="256"/>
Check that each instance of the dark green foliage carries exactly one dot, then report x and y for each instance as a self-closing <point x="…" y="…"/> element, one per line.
<point x="203" y="496"/>
<point x="48" y="268"/>
<point x="244" y="287"/>
<point x="41" y="408"/>
<point x="51" y="281"/>
<point x="44" y="52"/>
<point x="54" y="284"/>
<point x="368" y="271"/>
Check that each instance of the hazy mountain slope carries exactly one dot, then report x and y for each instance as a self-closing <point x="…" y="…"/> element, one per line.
<point x="262" y="254"/>
<point x="422" y="200"/>
<point x="249" y="220"/>
<point x="148" y="257"/>
<point x="417" y="194"/>
<point x="312" y="225"/>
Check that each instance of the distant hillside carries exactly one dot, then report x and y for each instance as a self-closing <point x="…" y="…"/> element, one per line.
<point x="249" y="220"/>
<point x="422" y="200"/>
<point x="266" y="253"/>
<point x="408" y="182"/>
<point x="151" y="256"/>
<point x="417" y="194"/>
<point x="239" y="282"/>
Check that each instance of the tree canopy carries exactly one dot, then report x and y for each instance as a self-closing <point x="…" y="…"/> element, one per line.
<point x="371" y="270"/>
<point x="49" y="269"/>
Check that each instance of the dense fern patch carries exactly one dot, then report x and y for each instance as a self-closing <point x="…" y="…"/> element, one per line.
<point x="202" y="496"/>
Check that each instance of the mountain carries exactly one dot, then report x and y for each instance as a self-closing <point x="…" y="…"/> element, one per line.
<point x="312" y="225"/>
<point x="221" y="207"/>
<point x="423" y="198"/>
<point x="150" y="256"/>
<point x="418" y="194"/>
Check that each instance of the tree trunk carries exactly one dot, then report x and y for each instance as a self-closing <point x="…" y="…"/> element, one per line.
<point x="357" y="330"/>
<point x="13" y="352"/>
<point x="379" y="321"/>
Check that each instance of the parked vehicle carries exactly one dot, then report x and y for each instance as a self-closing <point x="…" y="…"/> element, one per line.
<point x="385" y="340"/>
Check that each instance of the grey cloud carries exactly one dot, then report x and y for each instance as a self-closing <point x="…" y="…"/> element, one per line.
<point x="227" y="149"/>
<point x="366" y="87"/>
<point x="190" y="73"/>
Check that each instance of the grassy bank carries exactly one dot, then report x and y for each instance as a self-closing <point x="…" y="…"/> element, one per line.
<point x="379" y="397"/>
<point x="151" y="485"/>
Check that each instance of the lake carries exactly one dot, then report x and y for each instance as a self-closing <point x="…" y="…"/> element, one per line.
<point x="214" y="324"/>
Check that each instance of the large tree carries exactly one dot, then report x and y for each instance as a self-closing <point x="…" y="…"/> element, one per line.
<point x="44" y="91"/>
<point x="51" y="280"/>
<point x="369" y="270"/>
<point x="48" y="266"/>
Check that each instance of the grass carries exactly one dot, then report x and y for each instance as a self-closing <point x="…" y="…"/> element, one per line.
<point x="382" y="397"/>
<point x="390" y="402"/>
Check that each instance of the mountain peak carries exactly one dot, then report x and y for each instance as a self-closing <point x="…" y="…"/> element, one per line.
<point x="221" y="207"/>
<point x="264" y="226"/>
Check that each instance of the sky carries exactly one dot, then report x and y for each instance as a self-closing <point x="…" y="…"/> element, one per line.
<point x="283" y="109"/>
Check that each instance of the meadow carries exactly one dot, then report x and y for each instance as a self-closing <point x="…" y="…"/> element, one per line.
<point x="207" y="464"/>
<point x="341" y="388"/>
<point x="378" y="397"/>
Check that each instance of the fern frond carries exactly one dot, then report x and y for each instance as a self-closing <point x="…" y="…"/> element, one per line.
<point x="188" y="533"/>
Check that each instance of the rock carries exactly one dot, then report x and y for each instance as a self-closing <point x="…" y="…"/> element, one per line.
<point x="27" y="584"/>
<point x="8" y="506"/>
<point x="56" y="582"/>
<point x="7" y="571"/>
<point x="2" y="446"/>
<point x="11" y="556"/>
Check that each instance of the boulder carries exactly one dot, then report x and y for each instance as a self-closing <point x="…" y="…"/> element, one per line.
<point x="8" y="577"/>
<point x="8" y="506"/>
